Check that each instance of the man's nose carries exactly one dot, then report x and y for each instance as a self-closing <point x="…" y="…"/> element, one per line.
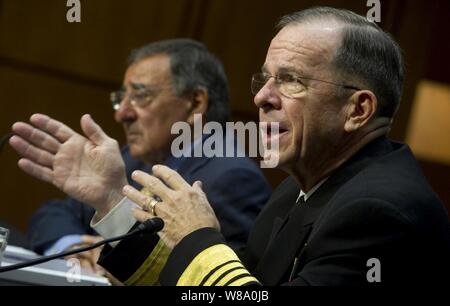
<point x="126" y="112"/>
<point x="268" y="96"/>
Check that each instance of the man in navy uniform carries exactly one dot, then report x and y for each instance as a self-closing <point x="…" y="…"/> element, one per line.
<point x="356" y="209"/>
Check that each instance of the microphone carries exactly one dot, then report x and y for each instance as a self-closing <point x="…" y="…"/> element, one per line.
<point x="150" y="226"/>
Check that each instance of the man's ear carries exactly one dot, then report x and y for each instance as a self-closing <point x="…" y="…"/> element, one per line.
<point x="361" y="107"/>
<point x="199" y="104"/>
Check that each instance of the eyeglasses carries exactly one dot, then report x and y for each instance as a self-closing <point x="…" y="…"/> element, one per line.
<point x="138" y="98"/>
<point x="141" y="96"/>
<point x="288" y="84"/>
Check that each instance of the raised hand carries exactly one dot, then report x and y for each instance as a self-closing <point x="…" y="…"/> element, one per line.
<point x="89" y="168"/>
<point x="184" y="208"/>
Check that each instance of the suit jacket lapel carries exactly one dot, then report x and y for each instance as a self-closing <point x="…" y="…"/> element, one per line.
<point x="288" y="238"/>
<point x="284" y="201"/>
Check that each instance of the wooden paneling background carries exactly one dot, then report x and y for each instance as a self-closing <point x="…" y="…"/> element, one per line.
<point x="67" y="69"/>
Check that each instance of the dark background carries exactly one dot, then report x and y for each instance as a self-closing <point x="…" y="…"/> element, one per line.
<point x="66" y="69"/>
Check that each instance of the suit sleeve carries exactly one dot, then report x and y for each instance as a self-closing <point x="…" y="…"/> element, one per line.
<point x="137" y="260"/>
<point x="203" y="259"/>
<point x="56" y="219"/>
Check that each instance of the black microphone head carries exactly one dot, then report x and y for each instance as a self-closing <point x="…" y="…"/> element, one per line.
<point x="152" y="225"/>
<point x="5" y="139"/>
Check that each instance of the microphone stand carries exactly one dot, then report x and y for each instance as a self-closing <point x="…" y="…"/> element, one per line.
<point x="149" y="226"/>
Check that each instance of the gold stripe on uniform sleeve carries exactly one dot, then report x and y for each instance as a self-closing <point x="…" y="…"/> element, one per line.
<point x="244" y="280"/>
<point x="226" y="278"/>
<point x="220" y="271"/>
<point x="148" y="273"/>
<point x="205" y="265"/>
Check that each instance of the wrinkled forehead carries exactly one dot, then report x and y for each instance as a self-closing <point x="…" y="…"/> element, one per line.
<point x="151" y="70"/>
<point x="305" y="46"/>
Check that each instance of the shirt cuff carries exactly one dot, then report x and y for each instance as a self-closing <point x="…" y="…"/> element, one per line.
<point x="117" y="222"/>
<point x="63" y="244"/>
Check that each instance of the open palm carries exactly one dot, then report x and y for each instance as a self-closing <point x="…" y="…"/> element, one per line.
<point x="89" y="168"/>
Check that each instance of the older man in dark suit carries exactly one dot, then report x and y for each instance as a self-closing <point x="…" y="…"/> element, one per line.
<point x="166" y="82"/>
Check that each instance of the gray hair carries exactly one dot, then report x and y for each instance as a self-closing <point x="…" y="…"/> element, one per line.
<point x="367" y="54"/>
<point x="192" y="67"/>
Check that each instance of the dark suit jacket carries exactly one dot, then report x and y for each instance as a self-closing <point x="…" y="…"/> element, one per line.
<point x="235" y="187"/>
<point x="377" y="205"/>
